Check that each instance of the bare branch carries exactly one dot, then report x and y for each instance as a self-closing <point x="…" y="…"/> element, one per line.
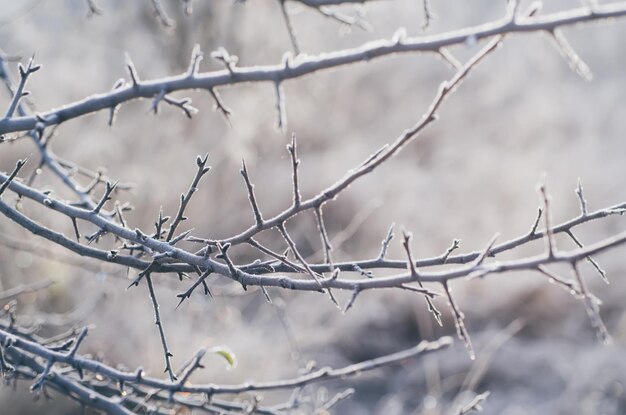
<point x="290" y="29"/>
<point x="428" y="14"/>
<point x="351" y="301"/>
<point x="581" y="199"/>
<point x="570" y="286"/>
<point x="185" y="198"/>
<point x="533" y="229"/>
<point x="258" y="218"/>
<point x="132" y="71"/>
<point x="306" y="64"/>
<point x="157" y="320"/>
<point x="235" y="273"/>
<point x="161" y="15"/>
<point x="78" y="341"/>
<point x="19" y="92"/>
<point x="379" y="157"/>
<point x="196" y="58"/>
<point x="321" y="227"/>
<point x="184" y="104"/>
<point x="281" y="109"/>
<point x="416" y="277"/>
<point x="56" y="364"/>
<point x="576" y="63"/>
<point x="449" y="58"/>
<point x="220" y="105"/>
<point x="292" y="148"/>
<point x="530" y="263"/>
<point x="591" y="305"/>
<point x="138" y="378"/>
<point x="187" y="294"/>
<point x="455" y="245"/>
<point x="385" y="243"/>
<point x="13" y="175"/>
<point x="292" y="245"/>
<point x="105" y="197"/>
<point x="550" y="244"/>
<point x="281" y="258"/>
<point x="334" y="401"/>
<point x="230" y="61"/>
<point x="486" y="252"/>
<point x="592" y="261"/>
<point x="459" y="321"/>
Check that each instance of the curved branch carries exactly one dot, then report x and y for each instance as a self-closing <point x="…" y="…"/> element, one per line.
<point x="137" y="378"/>
<point x="304" y="65"/>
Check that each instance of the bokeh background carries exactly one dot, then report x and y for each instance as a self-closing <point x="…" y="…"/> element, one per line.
<point x="523" y="112"/>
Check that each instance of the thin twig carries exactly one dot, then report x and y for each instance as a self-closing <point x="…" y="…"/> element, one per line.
<point x="185" y="198"/>
<point x="290" y="29"/>
<point x="416" y="277"/>
<point x="258" y="218"/>
<point x="550" y="243"/>
<point x="12" y="176"/>
<point x="157" y="320"/>
<point x="592" y="261"/>
<point x="459" y="321"/>
<point x="321" y="227"/>
<point x="593" y="311"/>
<point x="19" y="92"/>
<point x="292" y="148"/>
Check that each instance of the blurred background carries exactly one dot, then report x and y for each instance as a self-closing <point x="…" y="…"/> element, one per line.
<point x="523" y="112"/>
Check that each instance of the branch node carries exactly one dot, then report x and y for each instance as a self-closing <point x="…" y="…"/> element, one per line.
<point x="105" y="197"/>
<point x="230" y="61"/>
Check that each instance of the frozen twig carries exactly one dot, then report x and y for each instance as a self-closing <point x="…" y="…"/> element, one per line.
<point x="161" y="15"/>
<point x="459" y="321"/>
<point x="258" y="218"/>
<point x="591" y="305"/>
<point x="416" y="277"/>
<point x="321" y="227"/>
<point x="292" y="148"/>
<point x="20" y="93"/>
<point x="138" y="378"/>
<point x="308" y="64"/>
<point x="202" y="170"/>
<point x="550" y="243"/>
<point x="12" y="176"/>
<point x="567" y="51"/>
<point x="290" y="29"/>
<point x="157" y="320"/>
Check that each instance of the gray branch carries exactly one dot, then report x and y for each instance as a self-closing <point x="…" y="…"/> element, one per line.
<point x="305" y="65"/>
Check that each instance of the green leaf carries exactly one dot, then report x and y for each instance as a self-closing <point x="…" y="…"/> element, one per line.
<point x="227" y="354"/>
